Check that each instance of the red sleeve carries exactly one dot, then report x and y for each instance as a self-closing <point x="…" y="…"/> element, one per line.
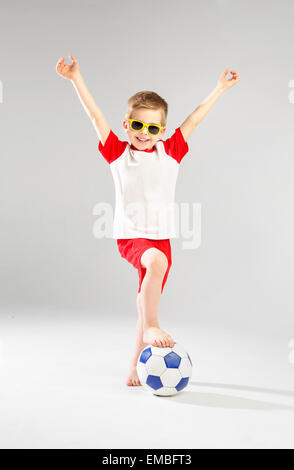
<point x="176" y="146"/>
<point x="112" y="148"/>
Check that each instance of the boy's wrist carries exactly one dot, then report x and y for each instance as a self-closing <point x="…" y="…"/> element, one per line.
<point x="76" y="76"/>
<point x="220" y="87"/>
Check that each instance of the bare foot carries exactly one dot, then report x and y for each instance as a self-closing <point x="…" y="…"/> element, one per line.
<point x="133" y="378"/>
<point x="158" y="337"/>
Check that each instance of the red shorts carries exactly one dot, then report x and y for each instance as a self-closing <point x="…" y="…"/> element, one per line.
<point x="132" y="249"/>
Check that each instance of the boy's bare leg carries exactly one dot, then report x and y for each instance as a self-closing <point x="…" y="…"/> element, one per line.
<point x="151" y="291"/>
<point x="133" y="378"/>
<point x="148" y="330"/>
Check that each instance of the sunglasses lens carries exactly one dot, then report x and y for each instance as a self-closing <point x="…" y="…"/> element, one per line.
<point x="153" y="130"/>
<point x="137" y="125"/>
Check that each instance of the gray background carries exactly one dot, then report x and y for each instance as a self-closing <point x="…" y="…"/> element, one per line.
<point x="239" y="166"/>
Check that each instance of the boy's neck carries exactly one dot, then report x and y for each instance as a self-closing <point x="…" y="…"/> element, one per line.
<point x="142" y="150"/>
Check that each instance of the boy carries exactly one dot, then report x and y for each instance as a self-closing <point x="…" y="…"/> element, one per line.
<point x="145" y="174"/>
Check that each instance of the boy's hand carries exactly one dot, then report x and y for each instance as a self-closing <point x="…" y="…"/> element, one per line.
<point x="65" y="70"/>
<point x="224" y="83"/>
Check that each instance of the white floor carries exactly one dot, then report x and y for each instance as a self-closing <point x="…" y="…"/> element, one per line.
<point x="63" y="386"/>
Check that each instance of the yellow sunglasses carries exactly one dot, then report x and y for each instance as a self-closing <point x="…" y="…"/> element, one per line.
<point x="136" y="125"/>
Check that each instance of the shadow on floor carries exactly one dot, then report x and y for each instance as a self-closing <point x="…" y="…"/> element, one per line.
<point x="272" y="391"/>
<point x="220" y="400"/>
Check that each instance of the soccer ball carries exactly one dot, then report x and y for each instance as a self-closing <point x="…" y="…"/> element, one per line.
<point x="164" y="371"/>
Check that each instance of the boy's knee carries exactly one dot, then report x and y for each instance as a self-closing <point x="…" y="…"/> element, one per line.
<point x="155" y="260"/>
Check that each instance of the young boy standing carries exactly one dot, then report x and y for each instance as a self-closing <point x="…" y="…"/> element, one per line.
<point x="145" y="174"/>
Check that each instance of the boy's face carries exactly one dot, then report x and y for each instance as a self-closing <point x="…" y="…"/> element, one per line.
<point x="149" y="116"/>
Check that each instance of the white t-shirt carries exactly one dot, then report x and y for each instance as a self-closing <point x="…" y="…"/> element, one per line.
<point x="145" y="182"/>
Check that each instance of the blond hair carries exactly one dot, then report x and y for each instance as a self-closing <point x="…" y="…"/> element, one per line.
<point x="148" y="100"/>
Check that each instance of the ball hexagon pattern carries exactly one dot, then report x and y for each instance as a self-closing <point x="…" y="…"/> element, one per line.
<point x="164" y="371"/>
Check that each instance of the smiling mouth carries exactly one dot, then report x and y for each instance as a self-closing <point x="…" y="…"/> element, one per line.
<point x="142" y="141"/>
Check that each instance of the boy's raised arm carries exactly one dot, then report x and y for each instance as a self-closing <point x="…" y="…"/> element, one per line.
<point x="72" y="73"/>
<point x="193" y="119"/>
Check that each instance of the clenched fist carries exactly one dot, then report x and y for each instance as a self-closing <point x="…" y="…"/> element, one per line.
<point x="228" y="83"/>
<point x="65" y="70"/>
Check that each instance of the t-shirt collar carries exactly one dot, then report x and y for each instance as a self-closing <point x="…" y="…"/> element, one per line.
<point x="142" y="150"/>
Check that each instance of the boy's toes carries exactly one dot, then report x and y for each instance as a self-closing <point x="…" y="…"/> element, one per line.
<point x="163" y="341"/>
<point x="166" y="342"/>
<point x="133" y="382"/>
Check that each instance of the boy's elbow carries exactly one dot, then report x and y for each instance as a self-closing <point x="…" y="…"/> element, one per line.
<point x="102" y="129"/>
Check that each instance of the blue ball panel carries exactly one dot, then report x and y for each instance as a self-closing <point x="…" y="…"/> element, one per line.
<point x="172" y="359"/>
<point x="145" y="354"/>
<point x="182" y="383"/>
<point x="154" y="382"/>
<point x="189" y="359"/>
